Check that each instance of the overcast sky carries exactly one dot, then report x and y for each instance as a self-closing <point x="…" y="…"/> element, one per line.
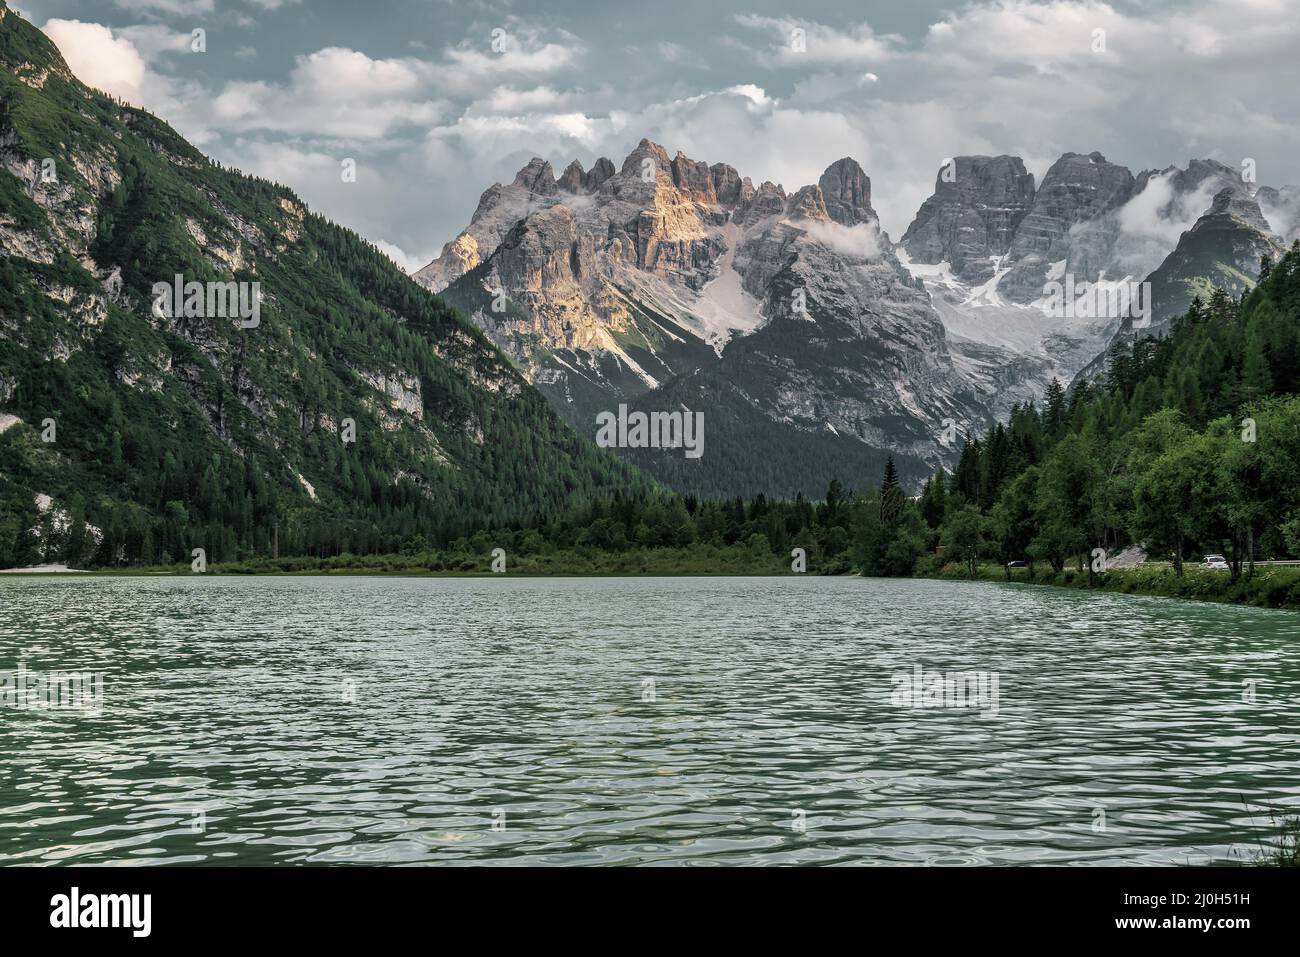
<point x="415" y="92"/>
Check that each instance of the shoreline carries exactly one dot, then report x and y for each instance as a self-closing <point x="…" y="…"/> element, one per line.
<point x="1276" y="587"/>
<point x="46" y="570"/>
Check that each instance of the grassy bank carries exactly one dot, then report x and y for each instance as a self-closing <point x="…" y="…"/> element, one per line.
<point x="1269" y="587"/>
<point x="1286" y="851"/>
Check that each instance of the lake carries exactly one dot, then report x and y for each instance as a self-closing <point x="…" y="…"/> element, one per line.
<point x="693" y="721"/>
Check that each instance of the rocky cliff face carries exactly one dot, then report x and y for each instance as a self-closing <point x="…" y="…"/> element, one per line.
<point x="1090" y="219"/>
<point x="972" y="217"/>
<point x="1091" y="224"/>
<point x="1223" y="249"/>
<point x="846" y="191"/>
<point x="1067" y="229"/>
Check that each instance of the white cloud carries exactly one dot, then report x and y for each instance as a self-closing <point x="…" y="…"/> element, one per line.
<point x="803" y="42"/>
<point x="119" y="62"/>
<point x="405" y="260"/>
<point x="1152" y="221"/>
<point x="672" y="52"/>
<point x="855" y="242"/>
<point x="333" y="92"/>
<point x="517" y="50"/>
<point x="98" y="57"/>
<point x="151" y="40"/>
<point x="506" y="99"/>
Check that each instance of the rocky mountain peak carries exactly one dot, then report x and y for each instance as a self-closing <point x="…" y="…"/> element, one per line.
<point x="728" y="186"/>
<point x="1078" y="189"/>
<point x="847" y="192"/>
<point x="1089" y="180"/>
<point x="1197" y="175"/>
<point x="972" y="217"/>
<point x="694" y="178"/>
<point x="1234" y="202"/>
<point x="601" y="171"/>
<point x="1223" y="248"/>
<point x="573" y="179"/>
<point x="1200" y="170"/>
<point x="633" y="165"/>
<point x="808" y="203"/>
<point x="537" y="177"/>
<point x="768" y="200"/>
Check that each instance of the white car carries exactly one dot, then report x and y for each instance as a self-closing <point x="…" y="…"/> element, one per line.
<point x="1215" y="563"/>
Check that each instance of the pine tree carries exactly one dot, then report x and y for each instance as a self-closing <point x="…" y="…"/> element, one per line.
<point x="891" y="493"/>
<point x="1256" y="379"/>
<point x="966" y="480"/>
<point x="1054" y="418"/>
<point x="934" y="499"/>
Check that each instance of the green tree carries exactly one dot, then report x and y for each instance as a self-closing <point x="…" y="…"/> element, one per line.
<point x="965" y="535"/>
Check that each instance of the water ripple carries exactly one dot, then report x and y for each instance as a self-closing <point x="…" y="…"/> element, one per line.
<point x="640" y="721"/>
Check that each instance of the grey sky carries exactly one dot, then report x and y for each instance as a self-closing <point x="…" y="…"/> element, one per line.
<point x="432" y="114"/>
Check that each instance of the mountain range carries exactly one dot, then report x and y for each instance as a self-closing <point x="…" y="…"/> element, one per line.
<point x="814" y="343"/>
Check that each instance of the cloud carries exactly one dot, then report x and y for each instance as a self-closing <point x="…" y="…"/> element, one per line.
<point x="506" y="99"/>
<point x="378" y="203"/>
<point x="855" y="242"/>
<point x="1009" y="76"/>
<point x="1152" y="221"/>
<point x="98" y="57"/>
<point x="152" y="40"/>
<point x="1283" y="216"/>
<point x="333" y="92"/>
<point x="121" y="62"/>
<point x="802" y="42"/>
<point x="672" y="52"/>
<point x="405" y="260"/>
<point x="516" y="50"/>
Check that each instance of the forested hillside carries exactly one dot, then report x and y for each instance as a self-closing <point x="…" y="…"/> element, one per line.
<point x="1190" y="445"/>
<point x="128" y="437"/>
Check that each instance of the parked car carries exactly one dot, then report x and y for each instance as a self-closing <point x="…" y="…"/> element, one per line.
<point x="1215" y="563"/>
